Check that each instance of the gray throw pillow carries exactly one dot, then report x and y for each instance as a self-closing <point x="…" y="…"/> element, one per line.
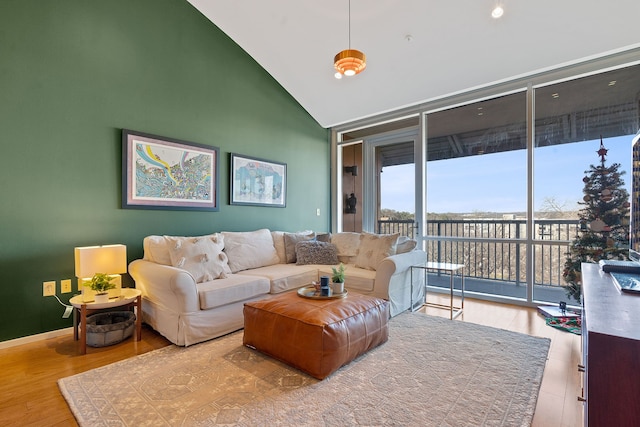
<point x="290" y="240"/>
<point x="313" y="252"/>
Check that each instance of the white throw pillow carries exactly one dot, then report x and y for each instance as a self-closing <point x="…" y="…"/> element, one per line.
<point x="156" y="250"/>
<point x="200" y="256"/>
<point x="249" y="249"/>
<point x="374" y="248"/>
<point x="347" y="243"/>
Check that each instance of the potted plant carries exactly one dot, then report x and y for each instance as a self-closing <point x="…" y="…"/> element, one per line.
<point x="337" y="278"/>
<point x="100" y="283"/>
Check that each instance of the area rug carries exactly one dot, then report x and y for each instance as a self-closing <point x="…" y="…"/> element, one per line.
<point x="431" y="372"/>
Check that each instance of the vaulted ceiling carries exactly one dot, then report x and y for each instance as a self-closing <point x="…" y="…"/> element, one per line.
<point x="417" y="50"/>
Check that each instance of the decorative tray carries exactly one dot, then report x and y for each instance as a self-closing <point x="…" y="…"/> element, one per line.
<point x="311" y="292"/>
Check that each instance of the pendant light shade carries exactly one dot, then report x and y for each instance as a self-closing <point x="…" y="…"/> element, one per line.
<point x="349" y="62"/>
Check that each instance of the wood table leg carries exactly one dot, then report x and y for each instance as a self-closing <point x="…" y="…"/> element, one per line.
<point x="139" y="318"/>
<point x="83" y="329"/>
<point x="75" y="324"/>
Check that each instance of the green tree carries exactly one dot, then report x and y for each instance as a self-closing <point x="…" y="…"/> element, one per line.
<point x="603" y="231"/>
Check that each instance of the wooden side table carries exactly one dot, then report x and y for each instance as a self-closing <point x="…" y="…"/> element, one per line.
<point x="129" y="298"/>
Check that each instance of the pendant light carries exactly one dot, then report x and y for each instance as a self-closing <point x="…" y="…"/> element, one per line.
<point x="351" y="61"/>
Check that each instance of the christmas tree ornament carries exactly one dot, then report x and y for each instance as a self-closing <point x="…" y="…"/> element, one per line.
<point x="606" y="195"/>
<point x="597" y="225"/>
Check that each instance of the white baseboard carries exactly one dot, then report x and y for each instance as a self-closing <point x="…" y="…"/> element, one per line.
<point x="34" y="338"/>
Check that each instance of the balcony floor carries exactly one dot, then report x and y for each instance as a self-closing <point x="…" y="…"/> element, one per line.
<point x="548" y="294"/>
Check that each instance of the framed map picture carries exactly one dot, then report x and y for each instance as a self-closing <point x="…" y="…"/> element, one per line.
<point x="164" y="173"/>
<point x="258" y="182"/>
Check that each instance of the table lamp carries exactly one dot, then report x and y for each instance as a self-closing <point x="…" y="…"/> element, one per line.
<point x="107" y="259"/>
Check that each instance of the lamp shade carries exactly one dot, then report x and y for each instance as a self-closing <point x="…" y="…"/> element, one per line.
<point x="108" y="259"/>
<point x="350" y="62"/>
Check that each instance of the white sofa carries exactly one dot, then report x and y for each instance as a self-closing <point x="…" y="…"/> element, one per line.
<point x="194" y="288"/>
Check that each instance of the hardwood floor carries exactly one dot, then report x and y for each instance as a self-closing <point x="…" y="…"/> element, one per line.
<point x="30" y="394"/>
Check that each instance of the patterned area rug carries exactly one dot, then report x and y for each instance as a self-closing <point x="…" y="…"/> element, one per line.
<point x="431" y="372"/>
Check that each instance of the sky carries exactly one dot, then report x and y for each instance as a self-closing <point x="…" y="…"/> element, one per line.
<point x="497" y="182"/>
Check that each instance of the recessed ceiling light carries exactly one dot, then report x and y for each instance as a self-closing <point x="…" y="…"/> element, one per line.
<point x="497" y="12"/>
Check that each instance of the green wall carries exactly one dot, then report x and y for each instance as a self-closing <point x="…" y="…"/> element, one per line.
<point x="73" y="73"/>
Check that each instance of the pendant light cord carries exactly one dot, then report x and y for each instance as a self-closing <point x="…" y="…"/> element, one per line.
<point x="349" y="24"/>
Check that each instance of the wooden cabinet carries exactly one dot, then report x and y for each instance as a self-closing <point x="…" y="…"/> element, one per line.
<point x="611" y="351"/>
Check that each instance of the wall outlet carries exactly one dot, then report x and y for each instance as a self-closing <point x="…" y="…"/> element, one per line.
<point x="48" y="288"/>
<point x="318" y="212"/>
<point x="65" y="286"/>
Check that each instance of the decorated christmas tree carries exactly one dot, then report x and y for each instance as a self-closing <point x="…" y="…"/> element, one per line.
<point x="603" y="232"/>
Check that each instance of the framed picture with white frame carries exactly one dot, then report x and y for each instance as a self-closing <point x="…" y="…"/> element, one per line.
<point x="257" y="182"/>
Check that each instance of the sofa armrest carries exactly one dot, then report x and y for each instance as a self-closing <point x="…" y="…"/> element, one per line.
<point x="393" y="280"/>
<point x="168" y="286"/>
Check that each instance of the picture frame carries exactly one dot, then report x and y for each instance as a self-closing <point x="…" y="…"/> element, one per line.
<point x="257" y="182"/>
<point x="166" y="173"/>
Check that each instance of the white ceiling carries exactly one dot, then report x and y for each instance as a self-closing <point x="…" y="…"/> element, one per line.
<point x="455" y="45"/>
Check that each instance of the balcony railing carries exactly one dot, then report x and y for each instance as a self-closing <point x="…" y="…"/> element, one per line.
<point x="406" y="227"/>
<point x="495" y="249"/>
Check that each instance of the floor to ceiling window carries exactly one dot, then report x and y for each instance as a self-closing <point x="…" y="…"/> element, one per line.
<point x="477" y="193"/>
<point x="503" y="176"/>
<point x="572" y="119"/>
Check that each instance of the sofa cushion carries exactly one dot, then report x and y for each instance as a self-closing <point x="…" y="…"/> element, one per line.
<point x="284" y="277"/>
<point x="374" y="248"/>
<point x="200" y="256"/>
<point x="290" y="241"/>
<point x="312" y="252"/>
<point x="233" y="288"/>
<point x="347" y="244"/>
<point x="405" y="245"/>
<point x="249" y="249"/>
<point x="278" y="243"/>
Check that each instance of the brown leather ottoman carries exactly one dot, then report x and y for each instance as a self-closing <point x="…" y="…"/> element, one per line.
<point x="316" y="336"/>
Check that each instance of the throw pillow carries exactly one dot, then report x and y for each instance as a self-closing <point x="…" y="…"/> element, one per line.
<point x="405" y="245"/>
<point x="374" y="248"/>
<point x="323" y="237"/>
<point x="347" y="243"/>
<point x="313" y="252"/>
<point x="290" y="241"/>
<point x="200" y="256"/>
<point x="278" y="243"/>
<point x="249" y="249"/>
<point x="156" y="250"/>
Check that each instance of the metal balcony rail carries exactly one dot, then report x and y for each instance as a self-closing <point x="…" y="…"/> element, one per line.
<point x="406" y="227"/>
<point x="495" y="249"/>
